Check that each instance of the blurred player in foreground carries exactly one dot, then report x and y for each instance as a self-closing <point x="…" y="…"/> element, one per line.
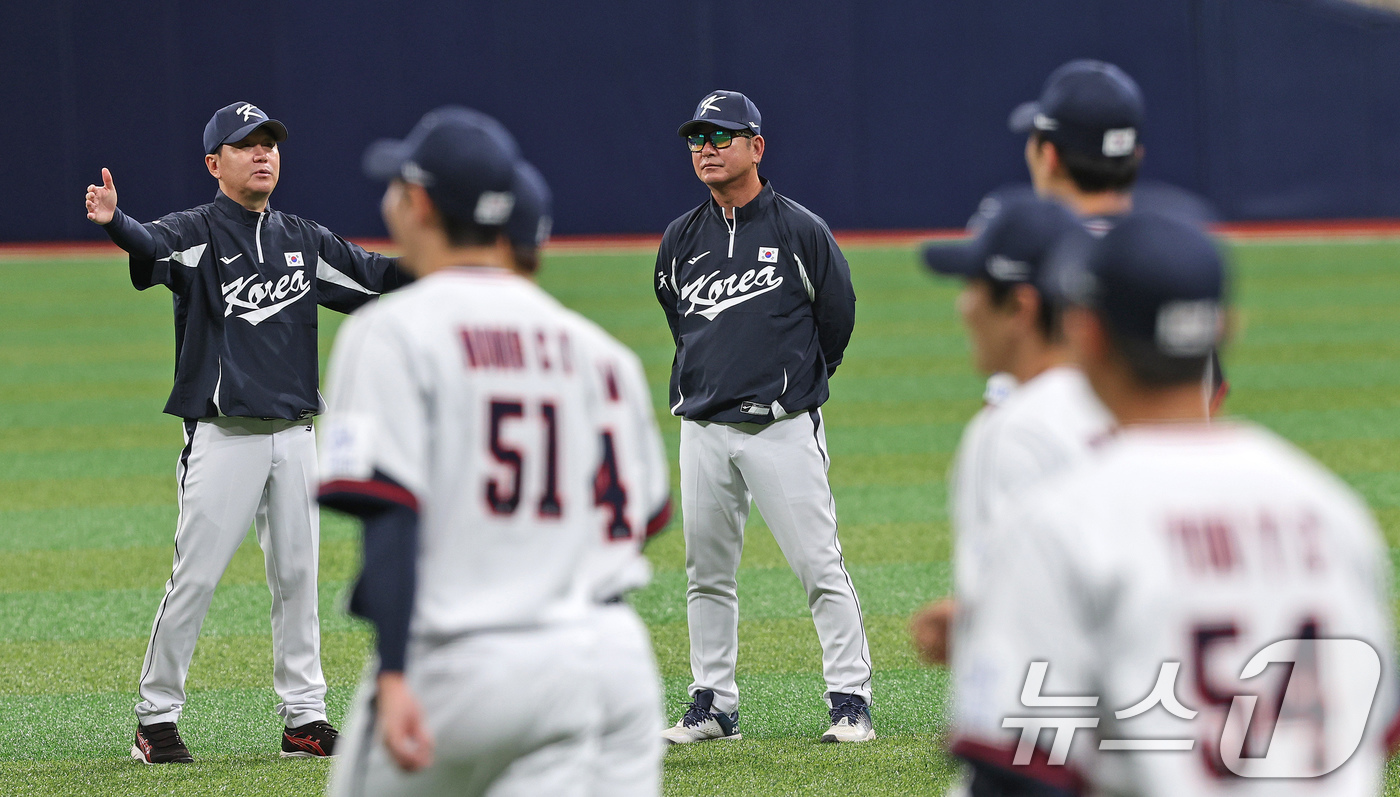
<point x="464" y="429"/>
<point x="1141" y="595"/>
<point x="1084" y="148"/>
<point x="1041" y="428"/>
<point x="246" y="281"/>
<point x="632" y="493"/>
<point x="759" y="302"/>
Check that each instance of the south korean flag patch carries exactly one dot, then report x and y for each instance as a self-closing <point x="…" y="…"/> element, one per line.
<point x="294" y="260"/>
<point x="767" y="254"/>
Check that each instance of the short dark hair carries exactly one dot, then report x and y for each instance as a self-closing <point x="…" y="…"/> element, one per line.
<point x="1094" y="174"/>
<point x="1047" y="315"/>
<point x="1150" y="367"/>
<point x="469" y="233"/>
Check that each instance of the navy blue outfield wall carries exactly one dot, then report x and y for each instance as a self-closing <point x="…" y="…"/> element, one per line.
<point x="878" y="115"/>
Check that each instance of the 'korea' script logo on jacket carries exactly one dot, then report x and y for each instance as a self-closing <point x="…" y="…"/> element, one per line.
<point x="255" y="301"/>
<point x="715" y="296"/>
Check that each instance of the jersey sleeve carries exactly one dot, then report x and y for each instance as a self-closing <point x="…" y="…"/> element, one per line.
<point x="1042" y="611"/>
<point x="181" y="244"/>
<point x="347" y="276"/>
<point x="374" y="436"/>
<point x="664" y="283"/>
<point x="828" y="277"/>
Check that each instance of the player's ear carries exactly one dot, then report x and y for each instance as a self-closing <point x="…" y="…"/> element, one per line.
<point x="1027" y="305"/>
<point x="420" y="205"/>
<point x="1050" y="153"/>
<point x="757" y="148"/>
<point x="211" y="162"/>
<point x="1085" y="335"/>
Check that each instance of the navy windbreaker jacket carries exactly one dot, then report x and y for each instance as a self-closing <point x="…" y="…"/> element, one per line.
<point x="761" y="308"/>
<point x="246" y="286"/>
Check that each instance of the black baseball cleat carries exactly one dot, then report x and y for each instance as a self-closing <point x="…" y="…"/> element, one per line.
<point x="160" y="743"/>
<point x="312" y="740"/>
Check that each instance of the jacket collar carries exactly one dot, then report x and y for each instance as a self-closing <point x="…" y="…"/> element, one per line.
<point x="236" y="211"/>
<point x="757" y="206"/>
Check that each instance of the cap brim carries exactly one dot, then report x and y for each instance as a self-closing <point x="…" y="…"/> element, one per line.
<point x="1022" y="119"/>
<point x="384" y="159"/>
<point x="695" y="125"/>
<point x="279" y="131"/>
<point x="951" y="259"/>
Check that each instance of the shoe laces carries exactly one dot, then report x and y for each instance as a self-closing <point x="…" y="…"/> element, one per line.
<point x="695" y="715"/>
<point x="164" y="737"/>
<point x="849" y="710"/>
<point x="319" y="728"/>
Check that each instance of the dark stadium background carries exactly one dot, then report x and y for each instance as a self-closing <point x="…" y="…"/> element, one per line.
<point x="880" y="115"/>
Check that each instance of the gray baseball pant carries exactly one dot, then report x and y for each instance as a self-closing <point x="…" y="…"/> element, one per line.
<point x="628" y="763"/>
<point x="233" y="473"/>
<point x="782" y="468"/>
<point x="512" y="713"/>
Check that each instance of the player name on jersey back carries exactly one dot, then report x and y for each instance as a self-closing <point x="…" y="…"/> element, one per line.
<point x="1201" y="610"/>
<point x="469" y="391"/>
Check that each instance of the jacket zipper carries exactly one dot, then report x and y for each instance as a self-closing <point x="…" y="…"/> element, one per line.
<point x="732" y="230"/>
<point x="257" y="235"/>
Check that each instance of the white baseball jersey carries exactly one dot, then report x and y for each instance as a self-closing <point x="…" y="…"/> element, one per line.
<point x="1035" y="430"/>
<point x="1156" y="577"/>
<point x="632" y="485"/>
<point x="469" y="396"/>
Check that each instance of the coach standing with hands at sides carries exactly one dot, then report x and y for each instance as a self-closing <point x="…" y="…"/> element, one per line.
<point x="760" y="304"/>
<point x="246" y="281"/>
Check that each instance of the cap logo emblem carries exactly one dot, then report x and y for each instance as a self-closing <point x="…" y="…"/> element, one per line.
<point x="1043" y="122"/>
<point x="248" y="111"/>
<point x="493" y="208"/>
<point x="1119" y="142"/>
<point x="1007" y="270"/>
<point x="415" y="174"/>
<point x="708" y="104"/>
<point x="1188" y="328"/>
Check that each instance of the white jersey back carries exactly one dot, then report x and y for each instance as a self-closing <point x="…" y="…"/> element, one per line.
<point x="469" y="390"/>
<point x="632" y="485"/>
<point x="1038" y="429"/>
<point x="1180" y="554"/>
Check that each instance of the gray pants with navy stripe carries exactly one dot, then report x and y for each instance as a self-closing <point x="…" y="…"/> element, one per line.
<point x="232" y="474"/>
<point x="782" y="468"/>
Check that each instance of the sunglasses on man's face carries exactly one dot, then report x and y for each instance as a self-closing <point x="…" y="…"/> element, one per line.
<point x="720" y="138"/>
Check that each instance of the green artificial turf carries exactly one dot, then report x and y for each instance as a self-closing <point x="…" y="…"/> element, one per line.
<point x="87" y="512"/>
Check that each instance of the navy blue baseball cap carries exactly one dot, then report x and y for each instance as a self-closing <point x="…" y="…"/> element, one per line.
<point x="1014" y="233"/>
<point x="463" y="158"/>
<point x="1086" y="106"/>
<point x="532" y="218"/>
<point x="232" y="123"/>
<point x="1153" y="278"/>
<point x="729" y="110"/>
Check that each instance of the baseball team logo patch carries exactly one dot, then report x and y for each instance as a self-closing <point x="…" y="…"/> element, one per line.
<point x="294" y="260"/>
<point x="767" y="254"/>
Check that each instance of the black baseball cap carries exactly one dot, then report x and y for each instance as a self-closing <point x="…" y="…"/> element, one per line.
<point x="463" y="158"/>
<point x="1015" y="234"/>
<point x="729" y="110"/>
<point x="1153" y="278"/>
<point x="232" y="123"/>
<point x="531" y="219"/>
<point x="1086" y="106"/>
